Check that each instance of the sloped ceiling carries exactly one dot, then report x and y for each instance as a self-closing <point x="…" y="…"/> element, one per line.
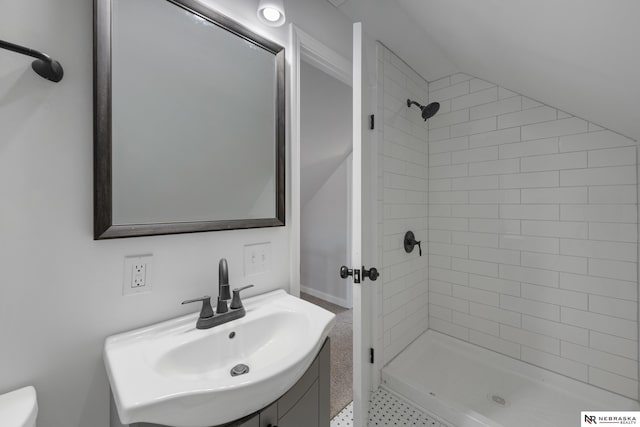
<point x="581" y="56"/>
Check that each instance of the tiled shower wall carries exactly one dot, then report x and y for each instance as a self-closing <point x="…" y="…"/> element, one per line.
<point x="402" y="202"/>
<point x="532" y="232"/>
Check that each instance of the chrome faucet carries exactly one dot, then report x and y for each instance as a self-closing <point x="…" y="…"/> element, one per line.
<point x="224" y="312"/>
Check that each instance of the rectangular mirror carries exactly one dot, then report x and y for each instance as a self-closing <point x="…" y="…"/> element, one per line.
<point x="189" y="121"/>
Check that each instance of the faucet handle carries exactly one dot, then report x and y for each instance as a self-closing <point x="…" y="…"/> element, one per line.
<point x="206" y="311"/>
<point x="236" y="302"/>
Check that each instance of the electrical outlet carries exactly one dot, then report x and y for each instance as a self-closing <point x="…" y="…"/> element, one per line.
<point x="257" y="258"/>
<point x="137" y="274"/>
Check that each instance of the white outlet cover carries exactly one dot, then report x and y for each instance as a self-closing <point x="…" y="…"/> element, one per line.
<point x="127" y="278"/>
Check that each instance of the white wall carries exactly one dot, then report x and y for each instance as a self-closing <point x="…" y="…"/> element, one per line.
<point x="533" y="233"/>
<point x="323" y="238"/>
<point x="60" y="291"/>
<point x="402" y="202"/>
<point x="325" y="147"/>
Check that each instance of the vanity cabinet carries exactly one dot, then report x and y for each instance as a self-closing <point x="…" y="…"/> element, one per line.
<point x="305" y="404"/>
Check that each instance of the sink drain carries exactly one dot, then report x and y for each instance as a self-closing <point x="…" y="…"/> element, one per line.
<point x="239" y="369"/>
<point x="498" y="400"/>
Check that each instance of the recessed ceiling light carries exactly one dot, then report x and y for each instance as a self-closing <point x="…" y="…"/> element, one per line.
<point x="271" y="12"/>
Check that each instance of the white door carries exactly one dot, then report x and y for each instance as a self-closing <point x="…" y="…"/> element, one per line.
<point x="361" y="272"/>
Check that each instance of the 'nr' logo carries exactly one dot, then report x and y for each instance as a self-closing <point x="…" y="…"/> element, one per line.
<point x="590" y="419"/>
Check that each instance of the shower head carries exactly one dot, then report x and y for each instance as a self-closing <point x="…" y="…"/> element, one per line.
<point x="50" y="70"/>
<point x="428" y="111"/>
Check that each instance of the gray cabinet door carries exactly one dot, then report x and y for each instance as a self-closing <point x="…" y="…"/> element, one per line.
<point x="253" y="422"/>
<point x="305" y="412"/>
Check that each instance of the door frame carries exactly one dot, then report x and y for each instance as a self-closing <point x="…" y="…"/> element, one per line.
<point x="303" y="46"/>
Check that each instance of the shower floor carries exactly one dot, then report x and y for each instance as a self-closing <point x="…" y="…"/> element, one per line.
<point x="469" y="386"/>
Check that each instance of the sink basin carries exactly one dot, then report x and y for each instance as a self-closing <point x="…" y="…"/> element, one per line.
<point x="173" y="374"/>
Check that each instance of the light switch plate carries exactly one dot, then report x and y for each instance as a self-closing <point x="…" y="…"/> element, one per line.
<point x="257" y="258"/>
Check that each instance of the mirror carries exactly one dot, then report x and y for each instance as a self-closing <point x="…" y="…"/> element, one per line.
<point x="189" y="121"/>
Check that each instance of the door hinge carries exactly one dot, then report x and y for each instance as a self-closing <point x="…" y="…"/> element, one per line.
<point x="371" y="358"/>
<point x="372" y="122"/>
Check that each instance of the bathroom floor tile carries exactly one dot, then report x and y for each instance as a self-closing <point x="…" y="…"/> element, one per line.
<point x="388" y="410"/>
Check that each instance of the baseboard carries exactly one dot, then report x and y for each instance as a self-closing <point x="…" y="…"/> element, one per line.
<point x="342" y="302"/>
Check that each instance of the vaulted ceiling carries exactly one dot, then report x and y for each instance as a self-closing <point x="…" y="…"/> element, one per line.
<point x="581" y="56"/>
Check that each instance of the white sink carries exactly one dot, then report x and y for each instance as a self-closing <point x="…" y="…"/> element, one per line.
<point x="174" y="374"/>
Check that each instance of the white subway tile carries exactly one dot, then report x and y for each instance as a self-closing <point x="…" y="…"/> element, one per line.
<point x="598" y="322"/>
<point x="594" y="127"/>
<point x="530" y="103"/>
<point x="554" y="162"/>
<point x="613" y="232"/>
<point x="501" y="286"/>
<point x="593" y="141"/>
<point x="533" y="308"/>
<point x="616" y="194"/>
<point x="613" y="269"/>
<point x="528" y="148"/>
<point x="529" y="243"/>
<point x="475" y="239"/>
<point x="440" y="287"/>
<point x="459" y="224"/>
<point x="495" y="196"/>
<point x="529" y="275"/>
<point x="530" y="339"/>
<point x="496" y="314"/>
<point x="449" y="302"/>
<point x="450" y="276"/>
<point x="599" y="286"/>
<point x="612" y="157"/>
<point x="440" y="184"/>
<point x="506" y="226"/>
<point x="568" y="264"/>
<point x="476" y="295"/>
<point x="540" y="212"/>
<point x="439" y="159"/>
<point x="439" y="84"/>
<point x="449" y="92"/>
<point x="448" y="119"/>
<point x="475" y="183"/>
<point x="448" y="250"/>
<point x="599" y="249"/>
<point x="448" y="328"/>
<point x="564" y="195"/>
<point x="615" y="345"/>
<point x="499" y="137"/>
<point x="476" y="323"/>
<point x="599" y="213"/>
<point x="477" y="267"/>
<point x="460" y="77"/>
<point x="503" y="106"/>
<point x="557" y="330"/>
<point x="616" y="383"/>
<point x="617" y="175"/>
<point x="494" y="343"/>
<point x="505" y="93"/>
<point x="563" y="115"/>
<point x="530" y="180"/>
<point x="475" y="155"/>
<point x="479" y="84"/>
<point x="441" y="312"/>
<point x="439" y="134"/>
<point x="448" y="197"/>
<point x="601" y="360"/>
<point x="502" y="256"/>
<point x="475" y="98"/>
<point x="473" y="127"/>
<point x="555" y="363"/>
<point x="439" y="210"/>
<point x="553" y="128"/>
<point x="561" y="297"/>
<point x="613" y="307"/>
<point x="449" y="171"/>
<point x="439" y="260"/>
<point x="578" y="230"/>
<point x="494" y="167"/>
<point x="474" y="211"/>
<point x="526" y="117"/>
